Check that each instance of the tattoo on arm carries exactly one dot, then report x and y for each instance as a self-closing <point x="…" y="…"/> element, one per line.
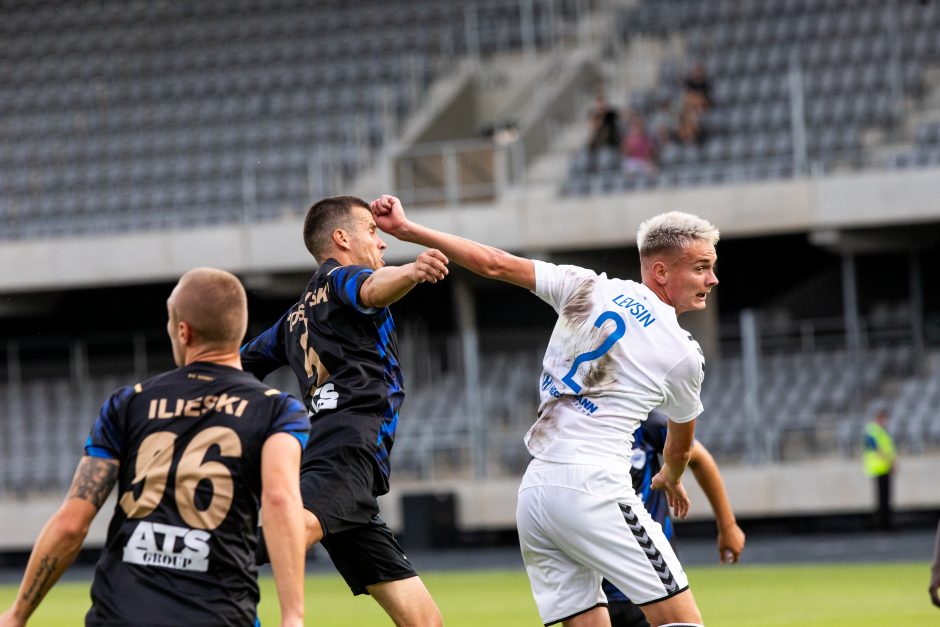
<point x="41" y="581"/>
<point x="94" y="479"/>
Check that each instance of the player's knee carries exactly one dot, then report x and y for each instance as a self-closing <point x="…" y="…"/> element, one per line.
<point x="681" y="625"/>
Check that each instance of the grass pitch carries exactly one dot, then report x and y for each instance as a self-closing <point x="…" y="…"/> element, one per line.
<point x="857" y="595"/>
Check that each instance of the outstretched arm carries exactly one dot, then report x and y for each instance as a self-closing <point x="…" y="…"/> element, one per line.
<point x="62" y="536"/>
<point x="283" y="522"/>
<point x="387" y="285"/>
<point x="676" y="454"/>
<point x="730" y="536"/>
<point x="481" y="259"/>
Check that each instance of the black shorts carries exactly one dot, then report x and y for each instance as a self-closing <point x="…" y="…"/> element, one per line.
<point x="367" y="555"/>
<point x="626" y="614"/>
<point x="339" y="486"/>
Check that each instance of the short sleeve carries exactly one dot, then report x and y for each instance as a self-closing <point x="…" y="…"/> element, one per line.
<point x="290" y="416"/>
<point x="555" y="284"/>
<point x="345" y="282"/>
<point x="266" y="352"/>
<point x="105" y="439"/>
<point x="682" y="388"/>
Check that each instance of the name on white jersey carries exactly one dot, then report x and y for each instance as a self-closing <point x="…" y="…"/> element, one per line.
<point x="635" y="308"/>
<point x="142" y="548"/>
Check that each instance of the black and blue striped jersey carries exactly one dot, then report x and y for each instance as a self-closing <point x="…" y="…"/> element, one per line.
<point x="649" y="440"/>
<point x="181" y="543"/>
<point x="345" y="358"/>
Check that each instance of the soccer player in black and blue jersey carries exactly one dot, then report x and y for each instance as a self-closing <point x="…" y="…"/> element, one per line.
<point x="648" y="442"/>
<point x="194" y="452"/>
<point x="340" y="341"/>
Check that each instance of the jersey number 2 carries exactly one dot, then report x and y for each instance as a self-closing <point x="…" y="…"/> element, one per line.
<point x="154" y="458"/>
<point x="619" y="329"/>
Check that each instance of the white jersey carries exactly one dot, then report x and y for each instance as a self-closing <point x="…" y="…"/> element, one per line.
<point x="616" y="353"/>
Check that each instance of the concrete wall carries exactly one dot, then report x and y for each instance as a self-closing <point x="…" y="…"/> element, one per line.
<point x="828" y="486"/>
<point x="524" y="220"/>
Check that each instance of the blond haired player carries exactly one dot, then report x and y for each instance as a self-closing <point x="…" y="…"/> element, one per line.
<point x="616" y="353"/>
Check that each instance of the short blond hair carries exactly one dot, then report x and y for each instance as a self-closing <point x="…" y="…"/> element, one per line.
<point x="214" y="304"/>
<point x="673" y="231"/>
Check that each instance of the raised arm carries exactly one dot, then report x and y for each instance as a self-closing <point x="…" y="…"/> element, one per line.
<point x="676" y="456"/>
<point x="387" y="285"/>
<point x="481" y="259"/>
<point x="730" y="536"/>
<point x="283" y="522"/>
<point x="62" y="536"/>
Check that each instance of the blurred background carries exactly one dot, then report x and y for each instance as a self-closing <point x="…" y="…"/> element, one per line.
<point x="139" y="139"/>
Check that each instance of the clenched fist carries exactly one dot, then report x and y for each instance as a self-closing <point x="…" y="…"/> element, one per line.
<point x="430" y="266"/>
<point x="389" y="214"/>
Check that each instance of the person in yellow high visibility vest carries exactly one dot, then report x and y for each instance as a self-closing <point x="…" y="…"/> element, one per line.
<point x="879" y="459"/>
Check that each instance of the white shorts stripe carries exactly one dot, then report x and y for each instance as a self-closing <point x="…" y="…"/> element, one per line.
<point x="652" y="553"/>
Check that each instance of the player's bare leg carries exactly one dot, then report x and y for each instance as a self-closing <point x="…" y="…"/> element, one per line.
<point x="596" y="617"/>
<point x="680" y="608"/>
<point x="407" y="602"/>
<point x="312" y="528"/>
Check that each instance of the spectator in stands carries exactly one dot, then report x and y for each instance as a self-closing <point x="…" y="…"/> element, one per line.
<point x="649" y="442"/>
<point x="183" y="553"/>
<point x="637" y="148"/>
<point x="689" y="130"/>
<point x="605" y="124"/>
<point x="662" y="123"/>
<point x="697" y="94"/>
<point x="879" y="458"/>
<point x="935" y="571"/>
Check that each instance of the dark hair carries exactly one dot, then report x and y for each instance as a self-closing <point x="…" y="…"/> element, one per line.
<point x="323" y="218"/>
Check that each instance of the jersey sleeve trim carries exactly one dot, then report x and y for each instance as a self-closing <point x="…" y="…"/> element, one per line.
<point x="302" y="436"/>
<point x="98" y="451"/>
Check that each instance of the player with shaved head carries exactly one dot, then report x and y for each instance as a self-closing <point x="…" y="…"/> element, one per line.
<point x="617" y="352"/>
<point x="194" y="452"/>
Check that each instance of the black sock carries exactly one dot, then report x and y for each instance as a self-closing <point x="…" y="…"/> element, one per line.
<point x="261" y="553"/>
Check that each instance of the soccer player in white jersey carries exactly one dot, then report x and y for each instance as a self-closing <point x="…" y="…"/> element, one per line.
<point x="617" y="352"/>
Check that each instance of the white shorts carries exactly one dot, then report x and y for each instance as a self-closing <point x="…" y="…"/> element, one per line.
<point x="579" y="524"/>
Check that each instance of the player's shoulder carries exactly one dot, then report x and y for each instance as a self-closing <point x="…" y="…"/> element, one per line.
<point x="548" y="271"/>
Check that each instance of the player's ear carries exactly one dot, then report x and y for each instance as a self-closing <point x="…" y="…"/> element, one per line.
<point x="341" y="239"/>
<point x="660" y="271"/>
<point x="185" y="333"/>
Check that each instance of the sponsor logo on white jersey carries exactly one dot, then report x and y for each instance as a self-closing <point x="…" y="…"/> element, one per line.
<point x="584" y="405"/>
<point x="166" y="546"/>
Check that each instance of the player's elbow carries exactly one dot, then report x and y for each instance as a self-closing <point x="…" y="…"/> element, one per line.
<point x="281" y="499"/>
<point x="496" y="264"/>
<point x="70" y="530"/>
